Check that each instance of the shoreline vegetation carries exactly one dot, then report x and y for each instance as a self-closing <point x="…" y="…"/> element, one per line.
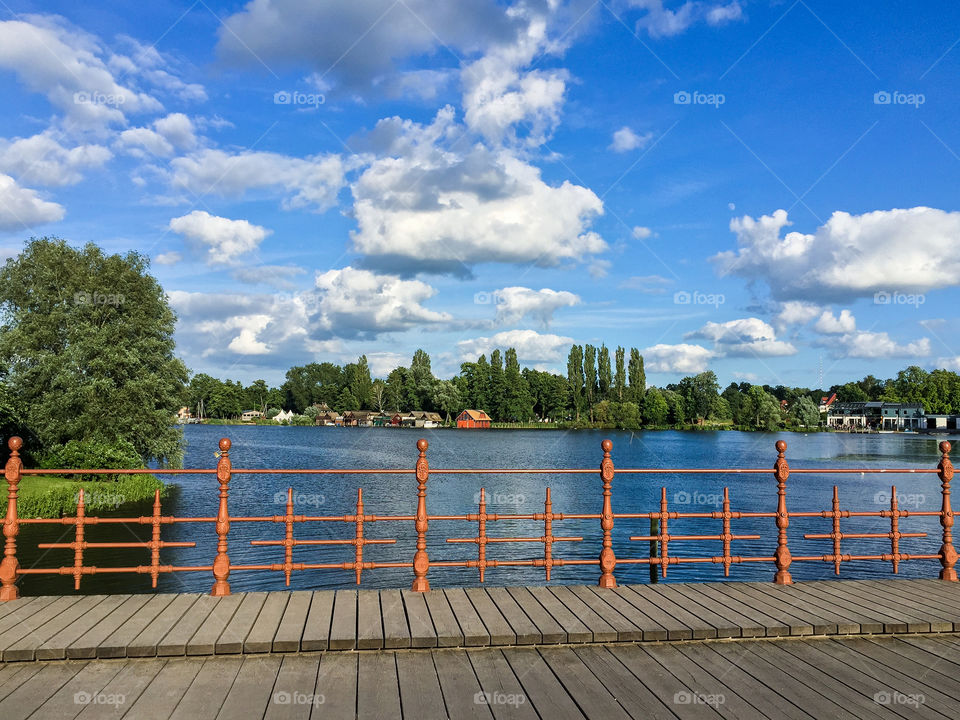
<point x="48" y="496"/>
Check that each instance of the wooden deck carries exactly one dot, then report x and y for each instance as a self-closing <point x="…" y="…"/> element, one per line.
<point x="909" y="676"/>
<point x="140" y="626"/>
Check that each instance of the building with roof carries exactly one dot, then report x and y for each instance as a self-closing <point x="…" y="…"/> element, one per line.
<point x="473" y="419"/>
<point x="876" y="415"/>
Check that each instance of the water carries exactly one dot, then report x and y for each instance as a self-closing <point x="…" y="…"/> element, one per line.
<point x="311" y="447"/>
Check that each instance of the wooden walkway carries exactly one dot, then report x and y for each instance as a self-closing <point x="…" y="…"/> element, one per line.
<point x="141" y="626"/>
<point x="908" y="676"/>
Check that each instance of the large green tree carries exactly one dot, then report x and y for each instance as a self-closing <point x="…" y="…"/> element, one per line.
<point x="87" y="350"/>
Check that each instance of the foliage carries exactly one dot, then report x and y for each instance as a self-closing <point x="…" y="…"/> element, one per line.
<point x="92" y="453"/>
<point x="52" y="497"/>
<point x="86" y="343"/>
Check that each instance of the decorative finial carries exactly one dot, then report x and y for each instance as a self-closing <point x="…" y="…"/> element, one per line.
<point x="422" y="445"/>
<point x="225" y="444"/>
<point x="944" y="446"/>
<point x="15" y="443"/>
<point x="781" y="446"/>
<point x="606" y="445"/>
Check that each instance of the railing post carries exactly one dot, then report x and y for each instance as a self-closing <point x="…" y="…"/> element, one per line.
<point x="608" y="560"/>
<point x="948" y="553"/>
<point x="421" y="562"/>
<point x="9" y="567"/>
<point x="221" y="565"/>
<point x="781" y="471"/>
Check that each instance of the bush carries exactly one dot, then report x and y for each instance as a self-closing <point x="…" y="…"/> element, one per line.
<point x="93" y="453"/>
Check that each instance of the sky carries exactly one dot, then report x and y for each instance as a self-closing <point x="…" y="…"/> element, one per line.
<point x="763" y="188"/>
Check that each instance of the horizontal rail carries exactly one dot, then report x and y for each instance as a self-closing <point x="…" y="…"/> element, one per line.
<point x="663" y="549"/>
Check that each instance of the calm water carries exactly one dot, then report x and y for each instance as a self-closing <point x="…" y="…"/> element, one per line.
<point x="309" y="447"/>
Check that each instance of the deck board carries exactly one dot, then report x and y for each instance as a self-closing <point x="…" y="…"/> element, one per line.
<point x="230" y="641"/>
<point x="204" y="640"/>
<point x="369" y="620"/>
<point x="422" y="631"/>
<point x="260" y="637"/>
<point x="290" y="630"/>
<point x="343" y="626"/>
<point x="316" y="629"/>
<point x="146" y="643"/>
<point x="396" y="633"/>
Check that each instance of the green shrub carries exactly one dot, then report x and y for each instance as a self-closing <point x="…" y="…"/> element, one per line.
<point x="93" y="453"/>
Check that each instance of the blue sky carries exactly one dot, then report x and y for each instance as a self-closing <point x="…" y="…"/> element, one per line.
<point x="750" y="186"/>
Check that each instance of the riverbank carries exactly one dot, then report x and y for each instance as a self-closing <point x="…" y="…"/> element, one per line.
<point x="46" y="496"/>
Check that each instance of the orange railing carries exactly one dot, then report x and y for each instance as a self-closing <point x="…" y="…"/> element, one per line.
<point x="221" y="567"/>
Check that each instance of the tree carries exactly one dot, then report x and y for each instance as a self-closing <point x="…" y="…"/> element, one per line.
<point x="378" y="394"/>
<point x="518" y="405"/>
<point x="604" y="375"/>
<point x="575" y="378"/>
<point x="357" y="376"/>
<point x="805" y="412"/>
<point x="699" y="394"/>
<point x="764" y="408"/>
<point x="86" y="343"/>
<point x="638" y="378"/>
<point x="496" y="387"/>
<point x="590" y="377"/>
<point x="620" y="376"/>
<point x="422" y="380"/>
<point x="655" y="408"/>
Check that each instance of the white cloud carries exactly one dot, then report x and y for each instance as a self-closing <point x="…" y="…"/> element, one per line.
<point x="864" y="344"/>
<point x="625" y="140"/>
<point x="664" y="22"/>
<point x="949" y="363"/>
<point x="530" y="345"/>
<point x="647" y="284"/>
<point x="168" y="258"/>
<point x="358" y="303"/>
<point x="641" y="233"/>
<point x="849" y="256"/>
<point x="830" y="324"/>
<point x="310" y="183"/>
<point x="42" y="160"/>
<point x="515" y="303"/>
<point x="744" y="337"/>
<point x="682" y="358"/>
<point x="225" y="238"/>
<point x="720" y="14"/>
<point x="167" y="134"/>
<point x="67" y="65"/>
<point x="280" y="276"/>
<point x="22" y="208"/>
<point x="431" y="208"/>
<point x="796" y="312"/>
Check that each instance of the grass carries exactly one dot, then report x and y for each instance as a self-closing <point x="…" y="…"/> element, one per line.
<point x="47" y="496"/>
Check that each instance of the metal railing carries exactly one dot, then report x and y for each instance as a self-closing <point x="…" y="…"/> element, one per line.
<point x="660" y="541"/>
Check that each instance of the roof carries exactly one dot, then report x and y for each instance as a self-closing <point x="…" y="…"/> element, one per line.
<point x="475" y="414"/>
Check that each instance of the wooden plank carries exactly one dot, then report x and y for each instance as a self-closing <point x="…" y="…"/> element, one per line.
<point x="626" y="631"/>
<point x="847" y="598"/>
<point x="901" y="620"/>
<point x="128" y="685"/>
<point x="940" y="620"/>
<point x="420" y="694"/>
<point x="292" y="623"/>
<point x="799" y="624"/>
<point x="316" y="629"/>
<point x="921" y="617"/>
<point x="260" y="637"/>
<point x="231" y="639"/>
<point x="26" y="647"/>
<point x="14" y="675"/>
<point x="11" y="605"/>
<point x="295" y="691"/>
<point x="497" y="682"/>
<point x="848" y="619"/>
<point x="461" y="690"/>
<point x="28" y="624"/>
<point x="946" y="664"/>
<point x="541" y="689"/>
<point x="444" y="622"/>
<point x="210" y="688"/>
<point x="64" y="705"/>
<point x="337" y="682"/>
<point x="161" y="696"/>
<point x="932" y="646"/>
<point x="549" y="629"/>
<point x="378" y="694"/>
<point x="720" y="605"/>
<point x="369" y="620"/>
<point x="678" y="628"/>
<point x="115" y="645"/>
<point x="523" y="627"/>
<point x="343" y="627"/>
<point x="145" y="644"/>
<point x="175" y="641"/>
<point x="396" y="634"/>
<point x="422" y="632"/>
<point x="474" y="632"/>
<point x="204" y="640"/>
<point x="87" y="644"/>
<point x="635" y="697"/>
<point x="36" y="690"/>
<point x="575" y="630"/>
<point x="582" y="685"/>
<point x="599" y="628"/>
<point x="761" y="696"/>
<point x="661" y="682"/>
<point x="824" y="621"/>
<point x="501" y="633"/>
<point x="700" y="616"/>
<point x="731" y="604"/>
<point x="252" y="688"/>
<point x="22" y="609"/>
<point x="649" y="629"/>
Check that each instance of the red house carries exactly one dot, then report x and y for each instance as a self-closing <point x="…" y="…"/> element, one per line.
<point x="473" y="419"/>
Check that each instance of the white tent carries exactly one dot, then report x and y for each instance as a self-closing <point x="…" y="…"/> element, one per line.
<point x="284" y="415"/>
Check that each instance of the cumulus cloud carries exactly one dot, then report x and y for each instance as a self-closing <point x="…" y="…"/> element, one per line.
<point x="744" y="337"/>
<point x="830" y="324"/>
<point x="515" y="303"/>
<point x="682" y="358"/>
<point x="531" y="346"/>
<point x="428" y="207"/>
<point x="660" y="21"/>
<point x="796" y="312"/>
<point x="352" y="302"/>
<point x="625" y="140"/>
<point x="641" y="233"/>
<point x="849" y="256"/>
<point x="69" y="67"/>
<point x="864" y="344"/>
<point x="22" y="208"/>
<point x="225" y="239"/>
<point x="42" y="160"/>
<point x="168" y="258"/>
<point x="166" y="135"/>
<point x="309" y="183"/>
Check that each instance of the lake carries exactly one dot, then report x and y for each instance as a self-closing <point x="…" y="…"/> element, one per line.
<point x="329" y="447"/>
